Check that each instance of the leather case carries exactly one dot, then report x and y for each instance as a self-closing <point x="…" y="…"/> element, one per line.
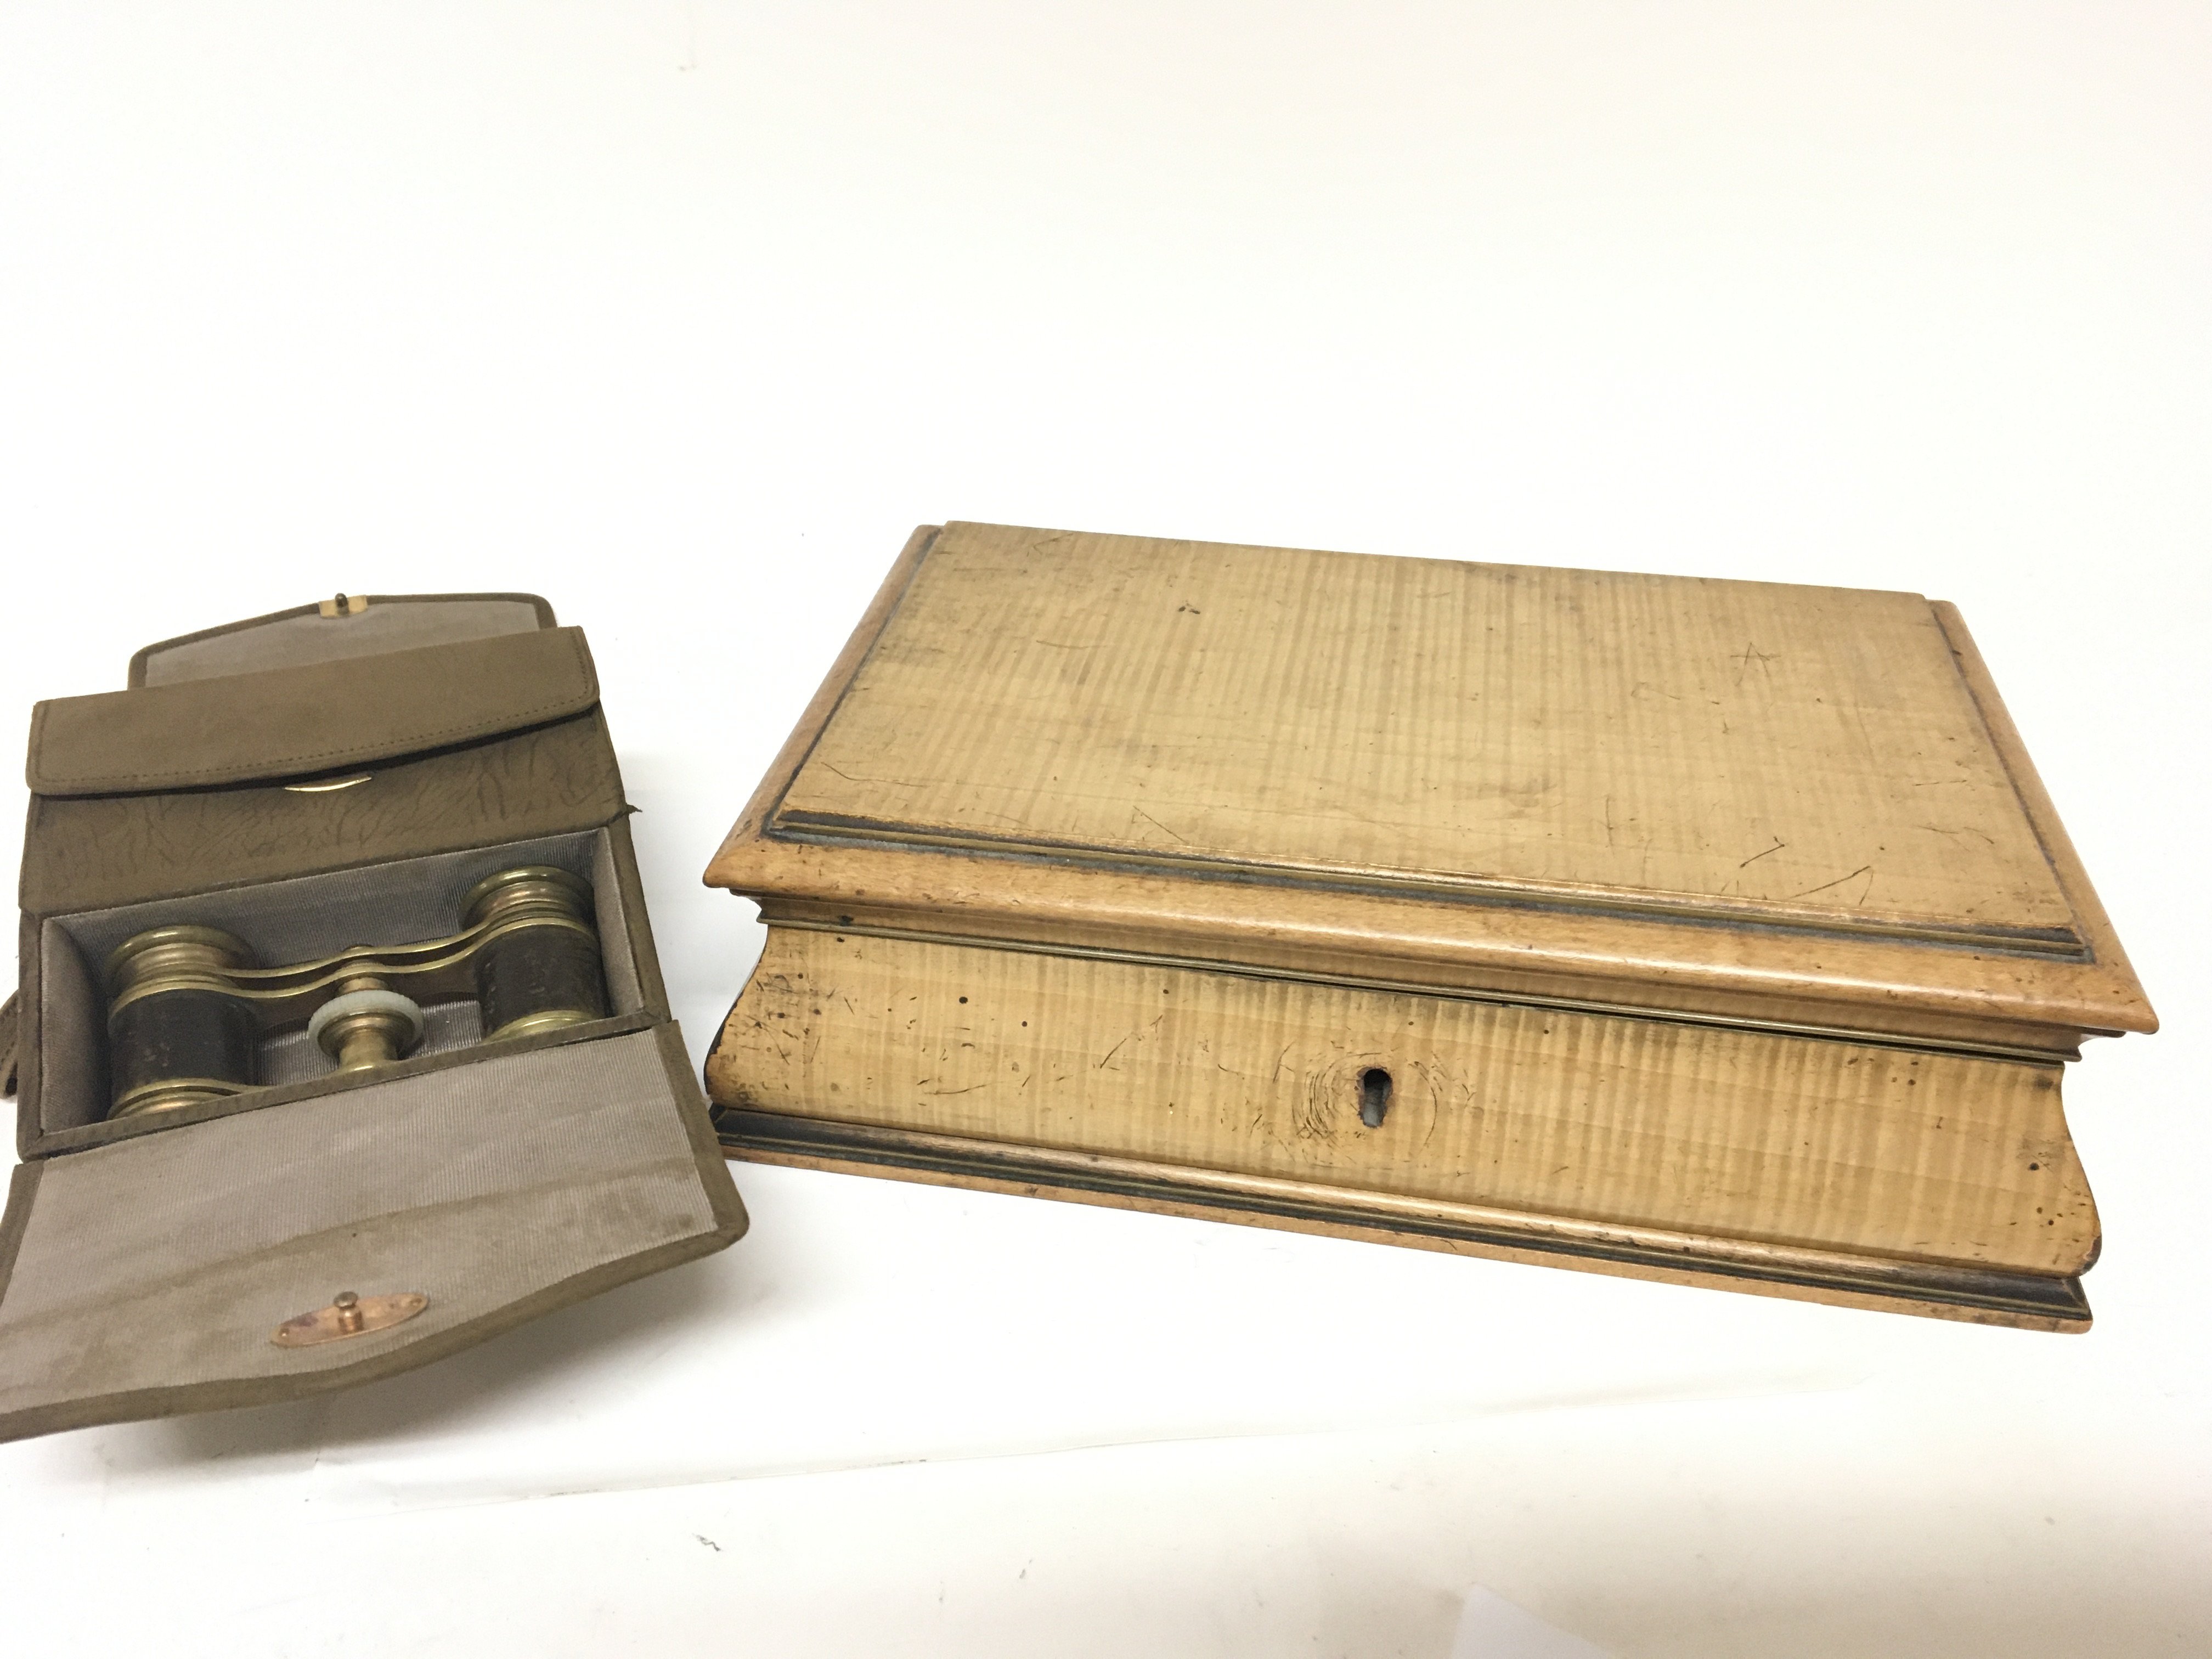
<point x="330" y="776"/>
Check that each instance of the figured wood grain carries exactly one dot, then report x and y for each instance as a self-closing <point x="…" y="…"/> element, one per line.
<point x="2091" y="923"/>
<point x="1105" y="868"/>
<point x="1799" y="755"/>
<point x="1727" y="964"/>
<point x="1732" y="1135"/>
<point x="1878" y="1284"/>
<point x="1347" y="957"/>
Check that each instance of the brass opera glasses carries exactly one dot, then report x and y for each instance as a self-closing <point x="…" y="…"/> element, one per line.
<point x="190" y="1005"/>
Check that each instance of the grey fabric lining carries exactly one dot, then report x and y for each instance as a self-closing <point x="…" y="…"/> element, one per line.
<point x="292" y="921"/>
<point x="165" y="1262"/>
<point x="72" y="1036"/>
<point x="625" y="991"/>
<point x="290" y="1058"/>
<point x="290" y="641"/>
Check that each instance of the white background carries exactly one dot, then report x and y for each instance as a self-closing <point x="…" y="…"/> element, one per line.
<point x="685" y="314"/>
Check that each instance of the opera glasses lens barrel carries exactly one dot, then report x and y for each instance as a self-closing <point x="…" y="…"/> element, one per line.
<point x="190" y="1005"/>
<point x="537" y="968"/>
<point x="178" y="1031"/>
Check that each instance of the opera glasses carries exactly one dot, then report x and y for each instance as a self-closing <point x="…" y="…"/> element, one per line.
<point x="189" y="1005"/>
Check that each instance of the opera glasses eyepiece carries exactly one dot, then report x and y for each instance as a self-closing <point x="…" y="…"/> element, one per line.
<point x="189" y="1005"/>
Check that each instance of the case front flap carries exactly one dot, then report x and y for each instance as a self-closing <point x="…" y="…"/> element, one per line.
<point x="147" y="1278"/>
<point x="316" y="717"/>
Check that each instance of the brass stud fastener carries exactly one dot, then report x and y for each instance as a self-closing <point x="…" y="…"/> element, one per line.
<point x="350" y="1314"/>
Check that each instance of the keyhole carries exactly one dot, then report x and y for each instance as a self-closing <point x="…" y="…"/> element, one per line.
<point x="1373" y="1096"/>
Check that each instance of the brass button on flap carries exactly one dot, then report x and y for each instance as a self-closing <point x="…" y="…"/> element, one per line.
<point x="350" y="1314"/>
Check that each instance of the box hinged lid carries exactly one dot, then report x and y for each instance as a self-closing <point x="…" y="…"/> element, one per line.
<point x="1751" y="800"/>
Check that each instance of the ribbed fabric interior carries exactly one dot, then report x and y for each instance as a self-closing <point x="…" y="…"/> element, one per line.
<point x="167" y="1262"/>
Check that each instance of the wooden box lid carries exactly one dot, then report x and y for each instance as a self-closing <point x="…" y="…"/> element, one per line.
<point x="1748" y="801"/>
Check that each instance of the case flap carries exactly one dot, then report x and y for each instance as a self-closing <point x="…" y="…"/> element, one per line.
<point x="355" y="626"/>
<point x="147" y="1278"/>
<point x="317" y="717"/>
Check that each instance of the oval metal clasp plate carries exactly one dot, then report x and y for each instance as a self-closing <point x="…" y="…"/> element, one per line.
<point x="350" y="1314"/>
<point x="327" y="785"/>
